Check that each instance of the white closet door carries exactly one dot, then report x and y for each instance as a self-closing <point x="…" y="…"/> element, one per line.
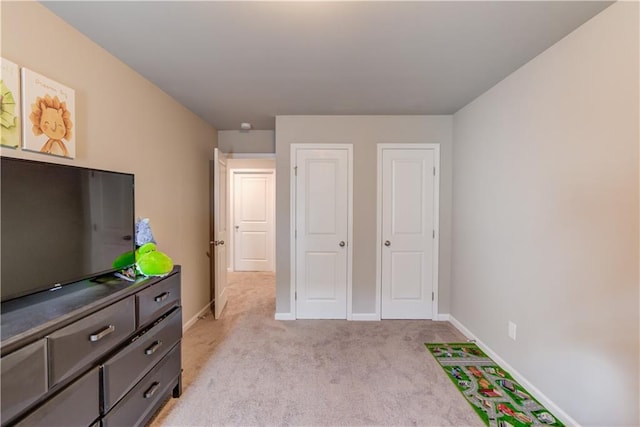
<point x="322" y="210"/>
<point x="408" y="231"/>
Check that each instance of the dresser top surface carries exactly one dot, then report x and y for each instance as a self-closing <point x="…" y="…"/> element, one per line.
<point x="29" y="318"/>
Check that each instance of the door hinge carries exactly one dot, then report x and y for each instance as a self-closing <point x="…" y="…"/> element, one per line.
<point x="434" y="171"/>
<point x="295" y="170"/>
<point x="433" y="233"/>
<point x="295" y="296"/>
<point x="295" y="234"/>
<point x="433" y="296"/>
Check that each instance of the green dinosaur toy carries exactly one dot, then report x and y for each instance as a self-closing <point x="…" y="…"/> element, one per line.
<point x="147" y="259"/>
<point x="151" y="262"/>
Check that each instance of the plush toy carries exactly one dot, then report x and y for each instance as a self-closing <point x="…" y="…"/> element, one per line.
<point x="148" y="260"/>
<point x="143" y="232"/>
<point x="151" y="262"/>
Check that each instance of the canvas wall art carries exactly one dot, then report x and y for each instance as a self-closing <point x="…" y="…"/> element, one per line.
<point x="49" y="115"/>
<point x="10" y="101"/>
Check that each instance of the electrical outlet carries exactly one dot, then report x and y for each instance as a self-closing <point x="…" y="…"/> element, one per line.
<point x="512" y="330"/>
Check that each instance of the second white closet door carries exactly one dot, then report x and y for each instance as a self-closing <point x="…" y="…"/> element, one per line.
<point x="407" y="233"/>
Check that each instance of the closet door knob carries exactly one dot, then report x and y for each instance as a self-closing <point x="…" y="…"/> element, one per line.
<point x="387" y="243"/>
<point x="342" y="244"/>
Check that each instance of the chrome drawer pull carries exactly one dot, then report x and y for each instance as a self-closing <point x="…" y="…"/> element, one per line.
<point x="103" y="333"/>
<point x="152" y="349"/>
<point x="163" y="296"/>
<point x="152" y="390"/>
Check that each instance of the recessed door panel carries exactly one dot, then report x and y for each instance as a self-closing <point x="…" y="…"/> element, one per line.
<point x="253" y="207"/>
<point x="253" y="245"/>
<point x="321" y="196"/>
<point x="406" y="276"/>
<point x="322" y="271"/>
<point x="407" y="204"/>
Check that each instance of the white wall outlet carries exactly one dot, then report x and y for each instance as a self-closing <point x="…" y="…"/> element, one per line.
<point x="512" y="330"/>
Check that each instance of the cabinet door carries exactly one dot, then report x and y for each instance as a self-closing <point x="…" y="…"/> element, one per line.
<point x="24" y="378"/>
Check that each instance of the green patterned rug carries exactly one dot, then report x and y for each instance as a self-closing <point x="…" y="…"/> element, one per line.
<point x="496" y="397"/>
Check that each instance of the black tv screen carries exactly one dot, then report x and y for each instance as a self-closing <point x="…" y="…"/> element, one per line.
<point x="60" y="224"/>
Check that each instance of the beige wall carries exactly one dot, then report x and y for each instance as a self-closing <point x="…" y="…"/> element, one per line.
<point x="545" y="219"/>
<point x="364" y="132"/>
<point x="125" y="123"/>
<point x="238" y="141"/>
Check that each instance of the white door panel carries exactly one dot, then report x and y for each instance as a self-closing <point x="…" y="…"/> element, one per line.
<point x="253" y="212"/>
<point x="406" y="276"/>
<point x="408" y="230"/>
<point x="321" y="222"/>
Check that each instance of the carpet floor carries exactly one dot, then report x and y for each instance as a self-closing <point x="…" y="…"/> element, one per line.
<point x="249" y="369"/>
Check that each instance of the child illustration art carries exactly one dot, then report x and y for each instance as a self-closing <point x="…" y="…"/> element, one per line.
<point x="51" y="117"/>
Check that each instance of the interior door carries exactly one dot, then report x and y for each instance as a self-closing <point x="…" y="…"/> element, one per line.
<point x="219" y="235"/>
<point x="253" y="221"/>
<point x="321" y="223"/>
<point x="408" y="232"/>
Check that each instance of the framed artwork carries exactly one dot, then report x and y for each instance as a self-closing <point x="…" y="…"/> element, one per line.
<point x="49" y="115"/>
<point x="10" y="101"/>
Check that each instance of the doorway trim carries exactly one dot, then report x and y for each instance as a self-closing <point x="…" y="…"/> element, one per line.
<point x="232" y="192"/>
<point x="292" y="221"/>
<point x="436" y="220"/>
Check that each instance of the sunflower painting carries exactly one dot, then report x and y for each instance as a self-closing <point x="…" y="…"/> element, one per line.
<point x="49" y="111"/>
<point x="9" y="104"/>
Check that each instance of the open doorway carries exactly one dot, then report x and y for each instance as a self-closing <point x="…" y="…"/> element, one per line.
<point x="251" y="215"/>
<point x="243" y="228"/>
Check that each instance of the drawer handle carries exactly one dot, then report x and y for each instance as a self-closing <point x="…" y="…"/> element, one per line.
<point x="153" y="347"/>
<point x="103" y="333"/>
<point x="163" y="296"/>
<point x="152" y="390"/>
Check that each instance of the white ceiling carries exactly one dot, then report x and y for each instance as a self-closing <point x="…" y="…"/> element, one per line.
<point x="231" y="62"/>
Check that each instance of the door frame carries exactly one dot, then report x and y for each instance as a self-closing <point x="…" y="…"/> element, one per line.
<point x="293" y="218"/>
<point x="436" y="220"/>
<point x="231" y="264"/>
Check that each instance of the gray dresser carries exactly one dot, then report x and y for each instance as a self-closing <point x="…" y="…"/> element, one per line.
<point x="96" y="352"/>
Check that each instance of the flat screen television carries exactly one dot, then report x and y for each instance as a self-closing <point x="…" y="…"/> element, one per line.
<point x="60" y="224"/>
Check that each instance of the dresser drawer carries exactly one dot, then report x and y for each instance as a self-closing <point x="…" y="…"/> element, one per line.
<point x="125" y="369"/>
<point x="140" y="403"/>
<point x="157" y="299"/>
<point x="24" y="378"/>
<point x="82" y="342"/>
<point x="76" y="405"/>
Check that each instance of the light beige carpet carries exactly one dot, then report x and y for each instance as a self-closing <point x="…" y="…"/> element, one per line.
<point x="249" y="369"/>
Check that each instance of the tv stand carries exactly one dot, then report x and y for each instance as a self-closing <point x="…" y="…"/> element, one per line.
<point x="96" y="352"/>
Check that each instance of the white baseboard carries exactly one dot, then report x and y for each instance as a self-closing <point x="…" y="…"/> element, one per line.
<point x="251" y="155"/>
<point x="555" y="409"/>
<point x="442" y="317"/>
<point x="285" y="316"/>
<point x="365" y="317"/>
<point x="194" y="319"/>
